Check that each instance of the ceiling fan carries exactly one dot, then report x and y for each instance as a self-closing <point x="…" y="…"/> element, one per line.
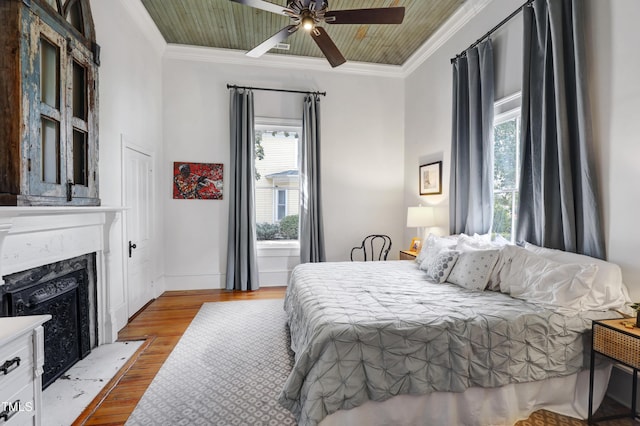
<point x="309" y="13"/>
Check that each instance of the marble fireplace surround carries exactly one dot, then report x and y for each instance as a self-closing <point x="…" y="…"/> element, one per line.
<point x="36" y="236"/>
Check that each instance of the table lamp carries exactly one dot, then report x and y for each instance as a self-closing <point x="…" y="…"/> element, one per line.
<point x="420" y="217"/>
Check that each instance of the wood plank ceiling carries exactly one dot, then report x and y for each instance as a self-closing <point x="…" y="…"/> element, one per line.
<point x="228" y="25"/>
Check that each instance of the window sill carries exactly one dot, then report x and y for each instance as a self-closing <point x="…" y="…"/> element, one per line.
<point x="278" y="248"/>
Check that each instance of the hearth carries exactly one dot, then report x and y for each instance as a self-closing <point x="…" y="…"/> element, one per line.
<point x="66" y="290"/>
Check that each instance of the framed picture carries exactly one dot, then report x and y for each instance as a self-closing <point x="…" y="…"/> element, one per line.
<point x="197" y="181"/>
<point x="416" y="244"/>
<point x="431" y="178"/>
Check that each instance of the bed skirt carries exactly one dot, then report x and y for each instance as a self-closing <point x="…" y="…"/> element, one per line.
<point x="502" y="406"/>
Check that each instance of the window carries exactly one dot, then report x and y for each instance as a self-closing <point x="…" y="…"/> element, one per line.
<point x="277" y="184"/>
<point x="506" y="151"/>
<point x="281" y="204"/>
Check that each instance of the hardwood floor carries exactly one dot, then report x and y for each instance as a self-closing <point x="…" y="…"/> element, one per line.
<point x="162" y="324"/>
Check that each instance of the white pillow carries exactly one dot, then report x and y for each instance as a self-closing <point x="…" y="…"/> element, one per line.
<point x="530" y="277"/>
<point x="467" y="243"/>
<point x="432" y="246"/>
<point x="608" y="290"/>
<point x="485" y="238"/>
<point x="500" y="241"/>
<point x="439" y="267"/>
<point x="493" y="283"/>
<point x="472" y="269"/>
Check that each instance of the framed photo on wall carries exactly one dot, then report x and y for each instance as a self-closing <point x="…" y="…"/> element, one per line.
<point x="431" y="178"/>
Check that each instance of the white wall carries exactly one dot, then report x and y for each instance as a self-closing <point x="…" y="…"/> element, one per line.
<point x="613" y="36"/>
<point x="428" y="102"/>
<point x="130" y="79"/>
<point x="361" y="154"/>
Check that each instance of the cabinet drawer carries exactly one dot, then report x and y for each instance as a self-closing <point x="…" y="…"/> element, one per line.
<point x="16" y="359"/>
<point x="617" y="345"/>
<point x="20" y="407"/>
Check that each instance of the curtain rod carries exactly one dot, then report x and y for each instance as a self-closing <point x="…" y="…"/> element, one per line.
<point x="492" y="30"/>
<point x="233" y="86"/>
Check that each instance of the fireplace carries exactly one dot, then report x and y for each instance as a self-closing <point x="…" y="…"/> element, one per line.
<point x="72" y="245"/>
<point x="66" y="290"/>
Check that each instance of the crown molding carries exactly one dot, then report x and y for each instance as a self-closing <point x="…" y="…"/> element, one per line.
<point x="451" y="26"/>
<point x="270" y="60"/>
<point x="145" y="24"/>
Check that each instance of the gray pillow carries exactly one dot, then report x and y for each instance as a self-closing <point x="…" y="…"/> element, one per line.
<point x="473" y="268"/>
<point x="439" y="266"/>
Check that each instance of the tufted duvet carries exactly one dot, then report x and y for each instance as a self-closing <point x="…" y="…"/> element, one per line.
<point x="370" y="331"/>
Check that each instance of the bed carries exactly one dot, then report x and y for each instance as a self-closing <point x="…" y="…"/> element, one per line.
<point x="381" y="343"/>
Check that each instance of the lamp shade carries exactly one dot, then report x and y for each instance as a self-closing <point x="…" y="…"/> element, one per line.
<point x="418" y="217"/>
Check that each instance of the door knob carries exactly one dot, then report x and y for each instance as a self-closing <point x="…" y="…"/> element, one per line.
<point x="131" y="247"/>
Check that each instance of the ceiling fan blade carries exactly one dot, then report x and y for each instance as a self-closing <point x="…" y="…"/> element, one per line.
<point x="383" y="15"/>
<point x="264" y="5"/>
<point x="270" y="43"/>
<point x="327" y="46"/>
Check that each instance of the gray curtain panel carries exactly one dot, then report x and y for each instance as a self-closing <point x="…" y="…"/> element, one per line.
<point x="311" y="229"/>
<point x="242" y="269"/>
<point x="559" y="201"/>
<point x="471" y="178"/>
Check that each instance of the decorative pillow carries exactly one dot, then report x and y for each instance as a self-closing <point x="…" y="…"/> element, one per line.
<point x="432" y="246"/>
<point x="608" y="290"/>
<point x="439" y="267"/>
<point x="530" y="277"/>
<point x="473" y="268"/>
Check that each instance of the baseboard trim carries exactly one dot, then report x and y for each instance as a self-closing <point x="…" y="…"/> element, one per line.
<point x="273" y="278"/>
<point x="194" y="282"/>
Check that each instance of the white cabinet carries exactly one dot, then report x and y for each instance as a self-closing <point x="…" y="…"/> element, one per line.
<point x="21" y="361"/>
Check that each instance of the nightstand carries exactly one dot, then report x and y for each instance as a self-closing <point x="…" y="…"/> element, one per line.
<point x="619" y="343"/>
<point x="408" y="255"/>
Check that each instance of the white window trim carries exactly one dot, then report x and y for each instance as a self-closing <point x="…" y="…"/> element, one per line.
<point x="288" y="248"/>
<point x="506" y="109"/>
<point x="270" y="123"/>
<point x="278" y="248"/>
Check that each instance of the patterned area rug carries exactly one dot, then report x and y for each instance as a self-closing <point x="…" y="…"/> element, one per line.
<point x="232" y="362"/>
<point x="227" y="369"/>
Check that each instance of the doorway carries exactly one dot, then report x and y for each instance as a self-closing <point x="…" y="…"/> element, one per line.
<point x="138" y="197"/>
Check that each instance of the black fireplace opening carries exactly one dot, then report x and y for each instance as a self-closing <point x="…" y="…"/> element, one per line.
<point x="66" y="290"/>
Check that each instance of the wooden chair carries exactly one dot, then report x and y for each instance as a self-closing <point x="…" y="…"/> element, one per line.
<point x="374" y="247"/>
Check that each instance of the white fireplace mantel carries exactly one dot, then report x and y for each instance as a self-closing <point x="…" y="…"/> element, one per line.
<point x="36" y="236"/>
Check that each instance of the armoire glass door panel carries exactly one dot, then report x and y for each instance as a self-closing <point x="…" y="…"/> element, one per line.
<point x="74" y="17"/>
<point x="49" y="74"/>
<point x="50" y="160"/>
<point x="79" y="91"/>
<point x="80" y="158"/>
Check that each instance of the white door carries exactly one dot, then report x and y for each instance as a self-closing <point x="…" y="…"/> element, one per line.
<point x="138" y="175"/>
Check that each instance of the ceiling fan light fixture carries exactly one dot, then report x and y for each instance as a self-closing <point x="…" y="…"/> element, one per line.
<point x="310" y="14"/>
<point x="307" y="23"/>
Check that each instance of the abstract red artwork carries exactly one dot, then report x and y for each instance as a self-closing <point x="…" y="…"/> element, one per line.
<point x="197" y="181"/>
